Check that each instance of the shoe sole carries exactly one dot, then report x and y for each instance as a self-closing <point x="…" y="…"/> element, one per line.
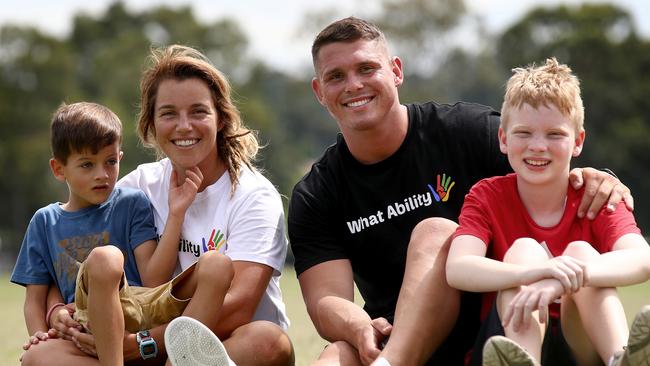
<point x="638" y="345"/>
<point x="190" y="343"/>
<point x="501" y="351"/>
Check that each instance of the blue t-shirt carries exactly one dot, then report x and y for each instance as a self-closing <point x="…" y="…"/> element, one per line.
<point x="57" y="241"/>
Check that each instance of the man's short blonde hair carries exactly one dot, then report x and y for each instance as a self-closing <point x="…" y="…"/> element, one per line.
<point x="550" y="84"/>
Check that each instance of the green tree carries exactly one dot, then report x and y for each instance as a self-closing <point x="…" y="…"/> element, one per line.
<point x="36" y="73"/>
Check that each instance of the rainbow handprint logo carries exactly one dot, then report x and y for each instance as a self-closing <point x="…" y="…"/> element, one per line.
<point x="215" y="242"/>
<point x="443" y="188"/>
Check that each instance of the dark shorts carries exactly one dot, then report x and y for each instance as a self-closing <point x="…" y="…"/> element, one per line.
<point x="461" y="339"/>
<point x="555" y="350"/>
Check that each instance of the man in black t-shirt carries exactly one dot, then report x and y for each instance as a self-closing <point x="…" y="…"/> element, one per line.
<point x="379" y="206"/>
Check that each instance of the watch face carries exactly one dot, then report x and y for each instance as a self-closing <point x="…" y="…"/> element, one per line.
<point x="148" y="349"/>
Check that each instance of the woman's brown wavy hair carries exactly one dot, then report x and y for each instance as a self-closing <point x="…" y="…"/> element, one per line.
<point x="236" y="144"/>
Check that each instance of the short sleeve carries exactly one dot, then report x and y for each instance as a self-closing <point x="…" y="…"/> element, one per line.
<point x="142" y="226"/>
<point x="608" y="227"/>
<point x="312" y="238"/>
<point x="31" y="267"/>
<point x="256" y="229"/>
<point x="474" y="217"/>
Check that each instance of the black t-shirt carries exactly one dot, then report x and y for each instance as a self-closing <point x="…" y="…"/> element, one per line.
<point x="343" y="209"/>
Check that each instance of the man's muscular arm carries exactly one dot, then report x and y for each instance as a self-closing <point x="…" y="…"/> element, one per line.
<point x="328" y="290"/>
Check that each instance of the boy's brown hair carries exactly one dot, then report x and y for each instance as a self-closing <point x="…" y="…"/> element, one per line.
<point x="550" y="84"/>
<point x="83" y="126"/>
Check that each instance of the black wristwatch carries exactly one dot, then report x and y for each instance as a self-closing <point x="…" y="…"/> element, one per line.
<point x="148" y="347"/>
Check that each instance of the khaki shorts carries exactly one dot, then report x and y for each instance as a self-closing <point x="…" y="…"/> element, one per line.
<point x="143" y="307"/>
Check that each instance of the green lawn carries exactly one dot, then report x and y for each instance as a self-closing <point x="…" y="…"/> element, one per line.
<point x="305" y="339"/>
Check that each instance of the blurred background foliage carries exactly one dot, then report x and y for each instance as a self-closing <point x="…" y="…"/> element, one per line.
<point x="447" y="53"/>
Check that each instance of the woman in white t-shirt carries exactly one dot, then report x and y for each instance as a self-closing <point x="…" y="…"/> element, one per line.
<point x="187" y="115"/>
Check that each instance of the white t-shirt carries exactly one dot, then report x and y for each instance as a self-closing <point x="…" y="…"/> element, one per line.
<point x="246" y="226"/>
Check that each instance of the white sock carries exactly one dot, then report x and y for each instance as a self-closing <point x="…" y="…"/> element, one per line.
<point x="381" y="362"/>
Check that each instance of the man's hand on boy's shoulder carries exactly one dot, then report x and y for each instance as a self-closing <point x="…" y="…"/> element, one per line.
<point x="600" y="188"/>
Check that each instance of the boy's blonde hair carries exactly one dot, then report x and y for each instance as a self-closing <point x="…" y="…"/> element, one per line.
<point x="551" y="84"/>
<point x="236" y="144"/>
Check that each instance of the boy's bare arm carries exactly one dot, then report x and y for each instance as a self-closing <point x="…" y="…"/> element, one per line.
<point x="628" y="263"/>
<point x="468" y="269"/>
<point x="35" y="308"/>
<point x="156" y="263"/>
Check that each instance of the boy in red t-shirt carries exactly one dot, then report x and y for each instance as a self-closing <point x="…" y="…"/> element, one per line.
<point x="520" y="241"/>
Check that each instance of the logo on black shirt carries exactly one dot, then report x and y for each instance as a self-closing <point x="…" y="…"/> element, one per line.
<point x="440" y="194"/>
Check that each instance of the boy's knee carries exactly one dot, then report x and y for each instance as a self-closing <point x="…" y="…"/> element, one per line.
<point x="105" y="262"/>
<point x="525" y="250"/>
<point x="580" y="250"/>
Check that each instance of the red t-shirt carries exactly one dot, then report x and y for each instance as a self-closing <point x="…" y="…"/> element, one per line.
<point x="494" y="213"/>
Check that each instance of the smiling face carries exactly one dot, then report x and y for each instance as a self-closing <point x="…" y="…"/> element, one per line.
<point x="90" y="177"/>
<point x="357" y="83"/>
<point x="540" y="143"/>
<point x="185" y="121"/>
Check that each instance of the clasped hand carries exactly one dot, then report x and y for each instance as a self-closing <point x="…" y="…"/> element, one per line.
<point x="552" y="279"/>
<point x="372" y="339"/>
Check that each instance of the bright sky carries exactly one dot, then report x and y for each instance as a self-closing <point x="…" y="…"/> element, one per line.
<point x="271" y="25"/>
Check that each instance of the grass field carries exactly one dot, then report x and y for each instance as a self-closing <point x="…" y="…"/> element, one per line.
<point x="305" y="339"/>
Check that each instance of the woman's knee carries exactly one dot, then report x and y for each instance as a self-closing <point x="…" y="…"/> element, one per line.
<point x="267" y="341"/>
<point x="213" y="266"/>
<point x="53" y="349"/>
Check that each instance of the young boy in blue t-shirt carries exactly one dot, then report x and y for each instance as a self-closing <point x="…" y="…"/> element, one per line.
<point x="520" y="241"/>
<point x="73" y="245"/>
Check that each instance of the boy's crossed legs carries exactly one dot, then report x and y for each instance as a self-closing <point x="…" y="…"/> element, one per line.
<point x="201" y="287"/>
<point x="593" y="319"/>
<point x="200" y="290"/>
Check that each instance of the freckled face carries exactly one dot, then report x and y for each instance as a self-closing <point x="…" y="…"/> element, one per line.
<point x="185" y="121"/>
<point x="540" y="143"/>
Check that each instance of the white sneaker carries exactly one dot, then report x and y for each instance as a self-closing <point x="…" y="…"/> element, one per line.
<point x="503" y="351"/>
<point x="190" y="343"/>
